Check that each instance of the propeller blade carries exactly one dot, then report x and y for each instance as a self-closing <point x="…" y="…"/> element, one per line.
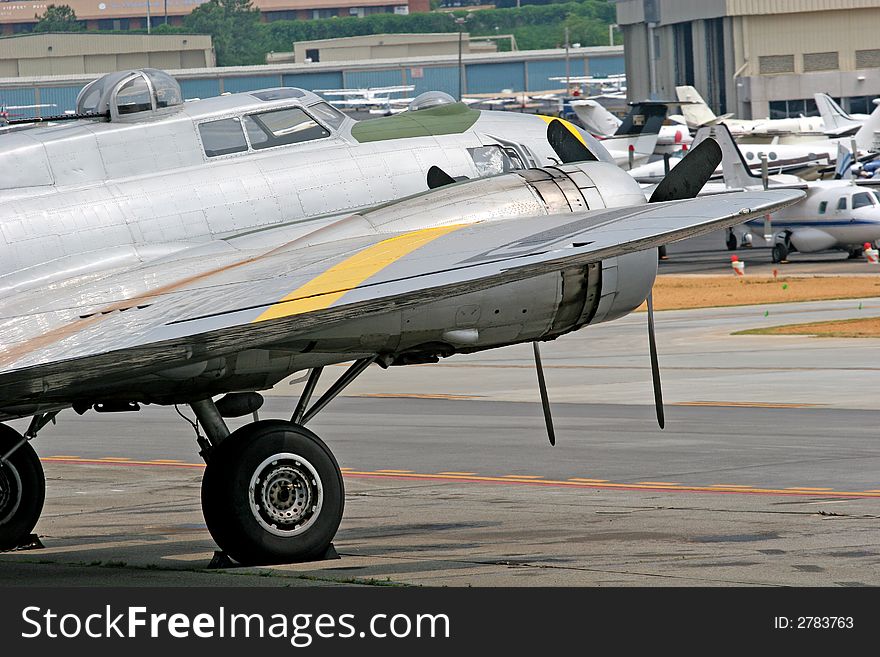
<point x="545" y="400"/>
<point x="655" y="365"/>
<point x="686" y="179"/>
<point x="568" y="147"/>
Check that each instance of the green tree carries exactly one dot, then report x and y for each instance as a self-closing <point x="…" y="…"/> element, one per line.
<point x="58" y="18"/>
<point x="235" y="28"/>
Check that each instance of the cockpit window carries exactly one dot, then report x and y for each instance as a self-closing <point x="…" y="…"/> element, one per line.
<point x="329" y="115"/>
<point x="823" y="206"/>
<point x="129" y="92"/>
<point x="280" y="127"/>
<point x="877" y="196"/>
<point x="862" y="200"/>
<point x="841" y="203"/>
<point x="134" y="96"/>
<point x="89" y="98"/>
<point x="222" y="137"/>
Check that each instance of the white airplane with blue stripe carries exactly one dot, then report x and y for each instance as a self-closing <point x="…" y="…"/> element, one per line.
<point x="835" y="214"/>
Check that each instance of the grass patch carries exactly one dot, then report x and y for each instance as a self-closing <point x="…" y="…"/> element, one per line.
<point x="689" y="292"/>
<point x="867" y="327"/>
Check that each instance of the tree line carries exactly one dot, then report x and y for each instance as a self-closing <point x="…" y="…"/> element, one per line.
<point x="241" y="38"/>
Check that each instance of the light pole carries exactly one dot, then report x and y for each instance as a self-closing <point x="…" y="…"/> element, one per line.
<point x="460" y="22"/>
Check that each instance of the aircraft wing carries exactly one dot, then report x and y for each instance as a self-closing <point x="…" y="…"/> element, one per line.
<point x="221" y="298"/>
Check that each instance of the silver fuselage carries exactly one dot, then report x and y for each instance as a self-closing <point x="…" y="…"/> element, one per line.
<point x="90" y="199"/>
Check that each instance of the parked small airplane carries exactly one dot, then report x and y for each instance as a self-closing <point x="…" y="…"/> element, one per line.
<point x="835" y="214"/>
<point x="612" y="85"/>
<point x="195" y="254"/>
<point x="7" y="111"/>
<point x="603" y="124"/>
<point x="377" y="100"/>
<point x="635" y="139"/>
<point x="698" y="114"/>
<point x="837" y="122"/>
<point x="803" y="157"/>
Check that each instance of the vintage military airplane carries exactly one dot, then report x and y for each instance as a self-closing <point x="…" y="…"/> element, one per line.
<point x="168" y="253"/>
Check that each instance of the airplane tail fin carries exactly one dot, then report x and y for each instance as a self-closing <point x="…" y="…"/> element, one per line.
<point x="868" y="136"/>
<point x="734" y="168"/>
<point x="844" y="161"/>
<point x="595" y="117"/>
<point x="640" y="128"/>
<point x="696" y="111"/>
<point x="837" y="122"/>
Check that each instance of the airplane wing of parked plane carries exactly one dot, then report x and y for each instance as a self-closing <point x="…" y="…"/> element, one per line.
<point x="233" y="295"/>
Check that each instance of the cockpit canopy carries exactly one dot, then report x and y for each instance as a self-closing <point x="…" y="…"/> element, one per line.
<point x="129" y="92"/>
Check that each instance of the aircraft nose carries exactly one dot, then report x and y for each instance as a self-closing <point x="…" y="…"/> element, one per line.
<point x="868" y="216"/>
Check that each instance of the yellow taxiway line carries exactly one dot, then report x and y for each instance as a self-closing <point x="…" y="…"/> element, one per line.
<point x="526" y="480"/>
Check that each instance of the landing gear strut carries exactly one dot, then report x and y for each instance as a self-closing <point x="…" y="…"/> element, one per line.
<point x="22" y="488"/>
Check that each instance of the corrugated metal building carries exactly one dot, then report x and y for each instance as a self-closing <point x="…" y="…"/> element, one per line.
<point x="756" y="58"/>
<point x="49" y="53"/>
<point x="527" y="70"/>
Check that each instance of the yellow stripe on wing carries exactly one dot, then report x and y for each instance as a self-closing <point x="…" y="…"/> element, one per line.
<point x="571" y="128"/>
<point x="326" y="288"/>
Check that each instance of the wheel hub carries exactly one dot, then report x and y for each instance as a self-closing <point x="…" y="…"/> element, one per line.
<point x="286" y="494"/>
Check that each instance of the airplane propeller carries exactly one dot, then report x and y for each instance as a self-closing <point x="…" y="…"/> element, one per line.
<point x="683" y="182"/>
<point x="567" y="146"/>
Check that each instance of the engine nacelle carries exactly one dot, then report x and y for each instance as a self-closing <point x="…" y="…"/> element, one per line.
<point x="809" y="240"/>
<point x="626" y="283"/>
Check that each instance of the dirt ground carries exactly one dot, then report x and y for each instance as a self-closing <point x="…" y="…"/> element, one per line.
<point x="868" y="327"/>
<point x="696" y="291"/>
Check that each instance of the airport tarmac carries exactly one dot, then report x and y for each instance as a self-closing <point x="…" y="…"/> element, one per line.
<point x="709" y="255"/>
<point x="768" y="472"/>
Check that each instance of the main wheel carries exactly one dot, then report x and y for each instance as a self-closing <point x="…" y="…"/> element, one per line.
<point x="780" y="252"/>
<point x="22" y="490"/>
<point x="272" y="493"/>
<point x="856" y="253"/>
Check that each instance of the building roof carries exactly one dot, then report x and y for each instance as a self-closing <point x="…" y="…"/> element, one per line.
<point x="373" y="64"/>
<point x="47" y="44"/>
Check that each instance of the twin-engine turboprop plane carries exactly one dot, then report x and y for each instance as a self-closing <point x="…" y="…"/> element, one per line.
<point x="835" y="214"/>
<point x="169" y="253"/>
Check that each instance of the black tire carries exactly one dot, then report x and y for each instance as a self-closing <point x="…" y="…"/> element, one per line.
<point x="856" y="253"/>
<point x="780" y="253"/>
<point x="22" y="490"/>
<point x="254" y="536"/>
<point x="731" y="242"/>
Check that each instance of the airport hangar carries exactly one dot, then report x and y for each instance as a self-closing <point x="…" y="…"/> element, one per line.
<point x="524" y="70"/>
<point x="755" y="58"/>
